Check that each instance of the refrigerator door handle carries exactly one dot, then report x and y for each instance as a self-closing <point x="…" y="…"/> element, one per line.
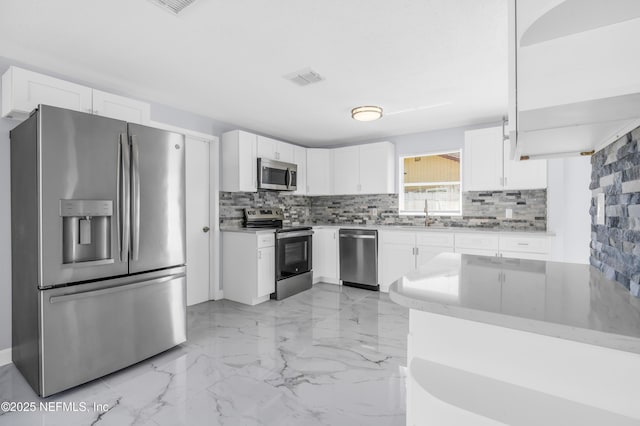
<point x="123" y="198"/>
<point x="135" y="199"/>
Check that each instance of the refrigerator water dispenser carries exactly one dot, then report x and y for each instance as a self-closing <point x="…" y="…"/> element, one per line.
<point x="86" y="230"/>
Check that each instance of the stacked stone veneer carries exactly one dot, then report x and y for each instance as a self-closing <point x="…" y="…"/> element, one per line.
<point x="296" y="208"/>
<point x="615" y="246"/>
<point x="481" y="209"/>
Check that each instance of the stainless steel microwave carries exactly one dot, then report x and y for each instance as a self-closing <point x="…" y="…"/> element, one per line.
<point x="277" y="175"/>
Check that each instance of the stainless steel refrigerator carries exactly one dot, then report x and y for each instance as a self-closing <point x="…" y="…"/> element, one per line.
<point x="98" y="246"/>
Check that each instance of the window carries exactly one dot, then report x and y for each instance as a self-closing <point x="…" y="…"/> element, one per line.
<point x="432" y="180"/>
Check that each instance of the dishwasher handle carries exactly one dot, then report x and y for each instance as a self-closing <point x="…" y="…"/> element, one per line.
<point x="358" y="237"/>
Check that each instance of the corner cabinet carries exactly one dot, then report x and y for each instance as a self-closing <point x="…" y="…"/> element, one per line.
<point x="364" y="169"/>
<point x="24" y="90"/>
<point x="319" y="167"/>
<point x="487" y="164"/>
<point x="248" y="266"/>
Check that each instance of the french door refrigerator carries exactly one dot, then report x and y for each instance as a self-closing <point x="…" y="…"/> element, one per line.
<point x="98" y="246"/>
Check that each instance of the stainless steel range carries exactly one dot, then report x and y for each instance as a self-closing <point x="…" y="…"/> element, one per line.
<point x="294" y="265"/>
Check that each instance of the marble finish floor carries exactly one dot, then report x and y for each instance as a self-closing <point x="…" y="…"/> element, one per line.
<point x="332" y="355"/>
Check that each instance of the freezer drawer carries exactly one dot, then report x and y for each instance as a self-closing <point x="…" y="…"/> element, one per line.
<point x="91" y="330"/>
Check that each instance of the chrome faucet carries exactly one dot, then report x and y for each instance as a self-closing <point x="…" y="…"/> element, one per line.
<point x="428" y="221"/>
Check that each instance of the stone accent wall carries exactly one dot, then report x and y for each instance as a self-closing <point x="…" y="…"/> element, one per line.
<point x="615" y="246"/>
<point x="481" y="209"/>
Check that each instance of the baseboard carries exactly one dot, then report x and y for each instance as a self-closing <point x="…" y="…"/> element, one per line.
<point x="5" y="357"/>
<point x="218" y="295"/>
<point x="326" y="280"/>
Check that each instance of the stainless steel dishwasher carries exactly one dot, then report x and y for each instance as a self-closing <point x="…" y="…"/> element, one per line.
<point x="359" y="258"/>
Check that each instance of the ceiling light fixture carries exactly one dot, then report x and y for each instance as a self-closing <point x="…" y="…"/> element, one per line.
<point x="366" y="113"/>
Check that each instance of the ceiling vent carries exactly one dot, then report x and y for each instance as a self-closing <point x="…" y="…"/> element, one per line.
<point x="304" y="77"/>
<point x="174" y="6"/>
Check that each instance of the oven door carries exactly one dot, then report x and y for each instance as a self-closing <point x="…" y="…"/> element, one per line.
<point x="293" y="253"/>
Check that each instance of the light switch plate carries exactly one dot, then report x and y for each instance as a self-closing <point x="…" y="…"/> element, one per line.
<point x="600" y="209"/>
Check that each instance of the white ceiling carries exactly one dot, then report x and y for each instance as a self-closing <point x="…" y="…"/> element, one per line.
<point x="226" y="59"/>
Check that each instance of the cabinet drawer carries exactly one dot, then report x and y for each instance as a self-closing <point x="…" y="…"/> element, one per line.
<point x="434" y="239"/>
<point x="266" y="240"/>
<point x="397" y="237"/>
<point x="477" y="241"/>
<point x="524" y="244"/>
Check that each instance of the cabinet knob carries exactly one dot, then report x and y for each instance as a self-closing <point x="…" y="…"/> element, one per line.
<point x="205" y="229"/>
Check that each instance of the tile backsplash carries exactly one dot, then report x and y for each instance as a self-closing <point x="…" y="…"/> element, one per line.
<point x="484" y="209"/>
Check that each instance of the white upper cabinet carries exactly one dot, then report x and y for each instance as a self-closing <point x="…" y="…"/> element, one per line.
<point x="377" y="171"/>
<point x="487" y="164"/>
<point x="23" y="91"/>
<point x="574" y="84"/>
<point x="121" y="108"/>
<point x="364" y="169"/>
<point x="300" y="159"/>
<point x="275" y="150"/>
<point x="239" y="162"/>
<point x="482" y="159"/>
<point x="319" y="171"/>
<point x="346" y="170"/>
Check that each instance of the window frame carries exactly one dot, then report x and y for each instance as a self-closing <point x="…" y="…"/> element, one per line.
<point x="401" y="185"/>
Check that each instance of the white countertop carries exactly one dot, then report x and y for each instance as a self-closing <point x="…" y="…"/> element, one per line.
<point x="564" y="300"/>
<point x="452" y="229"/>
<point x="249" y="230"/>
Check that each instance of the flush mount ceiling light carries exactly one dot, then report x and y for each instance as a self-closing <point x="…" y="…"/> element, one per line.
<point x="366" y="113"/>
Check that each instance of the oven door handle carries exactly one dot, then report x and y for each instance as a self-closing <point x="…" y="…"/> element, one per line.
<point x="283" y="235"/>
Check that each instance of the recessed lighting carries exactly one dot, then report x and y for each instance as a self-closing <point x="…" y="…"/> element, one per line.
<point x="366" y="113"/>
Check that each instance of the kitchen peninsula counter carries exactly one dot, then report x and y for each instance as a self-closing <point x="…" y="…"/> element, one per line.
<point x="496" y="341"/>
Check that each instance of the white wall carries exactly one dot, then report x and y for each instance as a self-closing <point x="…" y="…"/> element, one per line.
<point x="568" y="202"/>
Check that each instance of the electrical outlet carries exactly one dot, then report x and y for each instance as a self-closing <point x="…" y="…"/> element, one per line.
<point x="600" y="203"/>
<point x="508" y="213"/>
<point x="373" y="212"/>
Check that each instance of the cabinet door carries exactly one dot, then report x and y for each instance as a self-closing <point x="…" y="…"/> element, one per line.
<point x="482" y="159"/>
<point x="266" y="147"/>
<point x="527" y="174"/>
<point x="377" y="168"/>
<point x="346" y="170"/>
<point x="286" y="152"/>
<point x="396" y="261"/>
<point x="300" y="159"/>
<point x="325" y="254"/>
<point x="319" y="172"/>
<point x="23" y="90"/>
<point x="120" y="108"/>
<point x="426" y="253"/>
<point x="266" y="271"/>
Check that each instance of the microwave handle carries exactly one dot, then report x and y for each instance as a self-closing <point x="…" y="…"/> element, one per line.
<point x="287" y="179"/>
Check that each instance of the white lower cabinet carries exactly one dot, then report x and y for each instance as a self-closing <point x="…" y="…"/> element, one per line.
<point x="532" y="247"/>
<point x="401" y="252"/>
<point x="248" y="266"/>
<point x="325" y="255"/>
